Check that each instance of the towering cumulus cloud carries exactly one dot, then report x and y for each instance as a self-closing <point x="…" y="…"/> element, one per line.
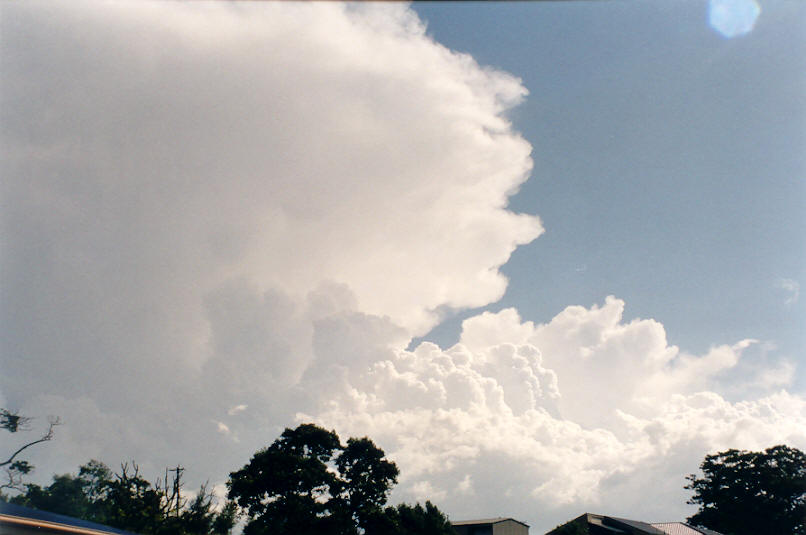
<point x="584" y="412"/>
<point x="173" y="169"/>
<point x="221" y="219"/>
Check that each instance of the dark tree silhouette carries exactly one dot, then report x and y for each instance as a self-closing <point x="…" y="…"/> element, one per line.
<point x="128" y="501"/>
<point x="306" y="482"/>
<point x="748" y="492"/>
<point x="366" y="477"/>
<point x="285" y="488"/>
<point x="412" y="520"/>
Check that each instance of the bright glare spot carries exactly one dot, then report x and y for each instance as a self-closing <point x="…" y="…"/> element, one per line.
<point x="733" y="17"/>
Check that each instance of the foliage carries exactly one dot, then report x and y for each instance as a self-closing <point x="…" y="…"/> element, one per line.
<point x="132" y="503"/>
<point x="411" y="520"/>
<point x="15" y="469"/>
<point x="304" y="483"/>
<point x="746" y="492"/>
<point x="307" y="482"/>
<point x="128" y="501"/>
<point x="285" y="488"/>
<point x="366" y="478"/>
<point x="225" y="519"/>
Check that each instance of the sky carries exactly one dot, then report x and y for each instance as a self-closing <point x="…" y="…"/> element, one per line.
<point x="546" y="255"/>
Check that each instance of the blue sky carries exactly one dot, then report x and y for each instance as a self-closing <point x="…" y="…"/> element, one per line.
<point x="407" y="222"/>
<point x="670" y="162"/>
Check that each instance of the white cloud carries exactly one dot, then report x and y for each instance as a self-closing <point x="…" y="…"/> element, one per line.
<point x="284" y="144"/>
<point x="792" y="287"/>
<point x="222" y="205"/>
<point x="559" y="415"/>
<point x="179" y="181"/>
<point x="780" y="375"/>
<point x="237" y="409"/>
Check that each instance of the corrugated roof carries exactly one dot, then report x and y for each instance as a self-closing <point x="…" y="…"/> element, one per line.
<point x="676" y="528"/>
<point x="681" y="528"/>
<point x="487" y="521"/>
<point x="12" y="513"/>
<point x="642" y="527"/>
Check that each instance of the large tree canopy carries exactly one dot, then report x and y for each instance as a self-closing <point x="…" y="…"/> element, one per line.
<point x="748" y="492"/>
<point x="287" y="487"/>
<point x="307" y="482"/>
<point x="366" y="478"/>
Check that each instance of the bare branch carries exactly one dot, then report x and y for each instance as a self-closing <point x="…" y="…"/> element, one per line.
<point x="52" y="423"/>
<point x="13" y="481"/>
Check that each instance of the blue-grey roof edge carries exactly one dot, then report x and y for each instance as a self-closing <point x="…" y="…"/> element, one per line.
<point x="20" y="511"/>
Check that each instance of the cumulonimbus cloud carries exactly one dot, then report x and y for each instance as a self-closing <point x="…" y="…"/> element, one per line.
<point x="190" y="195"/>
<point x="171" y="172"/>
<point x="220" y="219"/>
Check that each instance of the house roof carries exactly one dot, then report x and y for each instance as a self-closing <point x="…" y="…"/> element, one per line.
<point x="11" y="514"/>
<point x="620" y="525"/>
<point x="681" y="528"/>
<point x="633" y="526"/>
<point x="486" y="521"/>
<point x="625" y="526"/>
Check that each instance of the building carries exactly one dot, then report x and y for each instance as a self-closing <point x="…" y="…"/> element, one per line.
<point x="491" y="526"/>
<point x="681" y="528"/>
<point x="593" y="524"/>
<point x="19" y="520"/>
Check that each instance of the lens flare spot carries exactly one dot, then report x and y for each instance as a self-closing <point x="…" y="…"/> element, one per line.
<point x="732" y="18"/>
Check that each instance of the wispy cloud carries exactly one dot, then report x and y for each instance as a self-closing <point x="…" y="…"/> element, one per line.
<point x="792" y="287"/>
<point x="237" y="409"/>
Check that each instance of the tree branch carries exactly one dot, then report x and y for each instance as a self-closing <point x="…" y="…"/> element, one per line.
<point x="14" y="481"/>
<point x="52" y="422"/>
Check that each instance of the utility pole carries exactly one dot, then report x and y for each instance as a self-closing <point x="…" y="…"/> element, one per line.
<point x="177" y="486"/>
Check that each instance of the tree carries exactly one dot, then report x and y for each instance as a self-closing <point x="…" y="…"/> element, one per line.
<point x="132" y="503"/>
<point x="70" y="495"/>
<point x="225" y="520"/>
<point x="307" y="482"/>
<point x="128" y="501"/>
<point x="411" y="520"/>
<point x="747" y="492"/>
<point x="285" y="488"/>
<point x="366" y="478"/>
<point x="64" y="496"/>
<point x="15" y="469"/>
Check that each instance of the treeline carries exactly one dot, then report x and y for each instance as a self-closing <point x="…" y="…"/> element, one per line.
<point x="307" y="482"/>
<point x="128" y="501"/>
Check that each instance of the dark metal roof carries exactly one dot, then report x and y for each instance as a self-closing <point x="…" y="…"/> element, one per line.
<point x="598" y="521"/>
<point x="18" y="511"/>
<point x="486" y="521"/>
